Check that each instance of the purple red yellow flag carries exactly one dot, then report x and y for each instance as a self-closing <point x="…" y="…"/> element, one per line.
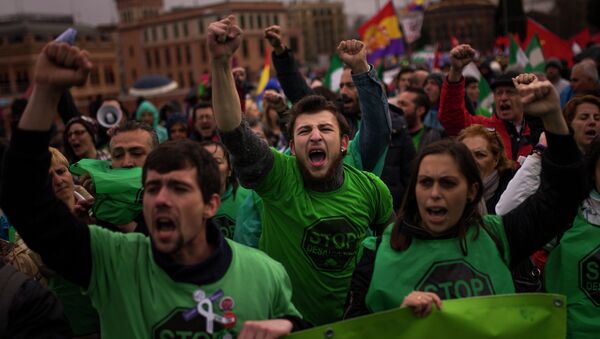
<point x="382" y="34"/>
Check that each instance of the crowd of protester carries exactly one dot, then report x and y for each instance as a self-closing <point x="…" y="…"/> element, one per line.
<point x="258" y="214"/>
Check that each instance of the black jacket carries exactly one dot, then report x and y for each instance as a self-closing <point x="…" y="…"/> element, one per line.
<point x="399" y="158"/>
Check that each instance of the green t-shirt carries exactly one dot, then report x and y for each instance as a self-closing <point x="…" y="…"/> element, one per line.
<point x="315" y="235"/>
<point x="78" y="309"/>
<point x="249" y="224"/>
<point x="226" y="216"/>
<point x="439" y="266"/>
<point x="135" y="298"/>
<point x="416" y="138"/>
<point x="573" y="269"/>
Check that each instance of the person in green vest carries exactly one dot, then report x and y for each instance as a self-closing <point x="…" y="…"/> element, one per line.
<point x="184" y="279"/>
<point x="573" y="266"/>
<point x="232" y="195"/>
<point x="316" y="209"/>
<point x="440" y="247"/>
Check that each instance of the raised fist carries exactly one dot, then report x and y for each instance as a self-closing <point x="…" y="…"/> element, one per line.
<point x="224" y="38"/>
<point x="460" y="56"/>
<point x="273" y="35"/>
<point x="539" y="98"/>
<point x="354" y="54"/>
<point x="60" y="66"/>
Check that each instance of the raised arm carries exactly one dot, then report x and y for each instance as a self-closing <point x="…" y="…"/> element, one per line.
<point x="293" y="83"/>
<point x="554" y="205"/>
<point x="453" y="114"/>
<point x="252" y="158"/>
<point x="46" y="223"/>
<point x="375" y="123"/>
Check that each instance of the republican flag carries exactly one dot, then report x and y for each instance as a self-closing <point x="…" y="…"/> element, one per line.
<point x="486" y="96"/>
<point x="264" y="75"/>
<point x="382" y="34"/>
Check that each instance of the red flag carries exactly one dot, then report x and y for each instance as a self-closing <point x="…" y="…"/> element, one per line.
<point x="552" y="44"/>
<point x="453" y="41"/>
<point x="436" y="57"/>
<point x="596" y="38"/>
<point x="582" y="38"/>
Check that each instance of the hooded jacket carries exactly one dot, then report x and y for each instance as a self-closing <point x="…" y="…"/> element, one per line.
<point x="147" y="106"/>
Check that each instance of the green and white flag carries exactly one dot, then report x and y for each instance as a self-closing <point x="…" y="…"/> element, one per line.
<point x="334" y="73"/>
<point x="486" y="97"/>
<point x="516" y="54"/>
<point x="536" y="57"/>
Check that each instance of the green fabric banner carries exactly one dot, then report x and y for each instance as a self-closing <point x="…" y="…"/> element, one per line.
<point x="118" y="190"/>
<point x="528" y="315"/>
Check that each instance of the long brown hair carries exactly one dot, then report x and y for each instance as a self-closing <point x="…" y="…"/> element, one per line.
<point x="409" y="216"/>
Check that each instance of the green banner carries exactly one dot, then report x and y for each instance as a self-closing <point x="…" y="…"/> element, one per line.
<point x="528" y="315"/>
<point x="118" y="197"/>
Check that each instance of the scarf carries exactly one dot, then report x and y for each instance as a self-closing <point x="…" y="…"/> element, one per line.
<point x="591" y="208"/>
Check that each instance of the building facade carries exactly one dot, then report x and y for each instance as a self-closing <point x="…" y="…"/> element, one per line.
<point x="174" y="43"/>
<point x="323" y="26"/>
<point x="470" y="21"/>
<point x="22" y="38"/>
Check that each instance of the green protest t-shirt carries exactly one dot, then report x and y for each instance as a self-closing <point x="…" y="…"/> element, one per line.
<point x="573" y="269"/>
<point x="226" y="216"/>
<point x="78" y="309"/>
<point x="135" y="298"/>
<point x="315" y="235"/>
<point x="440" y="267"/>
<point x="118" y="190"/>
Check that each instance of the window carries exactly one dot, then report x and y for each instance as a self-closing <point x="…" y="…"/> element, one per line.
<point x="146" y="35"/>
<point x="4" y="83"/>
<point x="200" y="26"/>
<point x="203" y="52"/>
<point x="178" y="55"/>
<point x="185" y="28"/>
<point x="167" y="57"/>
<point x="181" y="80"/>
<point x="245" y="48"/>
<point x="261" y="46"/>
<point x="242" y="21"/>
<point x="131" y="52"/>
<point x="294" y="44"/>
<point x="188" y="54"/>
<point x="94" y="76"/>
<point x="176" y="30"/>
<point x="148" y="59"/>
<point x="191" y="78"/>
<point x="165" y="34"/>
<point x="157" y="57"/>
<point x="251" y="17"/>
<point x="259" y="20"/>
<point x="109" y="75"/>
<point x="22" y="81"/>
<point x="153" y="33"/>
<point x="15" y="39"/>
<point x="275" y="19"/>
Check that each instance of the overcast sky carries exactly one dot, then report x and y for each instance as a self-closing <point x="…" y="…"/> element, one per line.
<point x="104" y="11"/>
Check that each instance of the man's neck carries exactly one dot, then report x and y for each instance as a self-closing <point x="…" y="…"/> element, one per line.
<point x="194" y="252"/>
<point x="415" y="129"/>
<point x="333" y="181"/>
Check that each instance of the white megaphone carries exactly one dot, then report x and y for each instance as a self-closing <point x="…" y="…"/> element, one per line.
<point x="109" y="115"/>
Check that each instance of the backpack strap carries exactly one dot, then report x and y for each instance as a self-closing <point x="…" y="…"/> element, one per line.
<point x="10" y="282"/>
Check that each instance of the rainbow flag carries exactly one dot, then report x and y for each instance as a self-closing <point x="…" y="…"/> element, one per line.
<point x="264" y="75"/>
<point x="382" y="34"/>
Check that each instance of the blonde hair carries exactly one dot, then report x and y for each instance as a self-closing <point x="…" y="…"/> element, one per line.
<point x="58" y="158"/>
<point x="495" y="144"/>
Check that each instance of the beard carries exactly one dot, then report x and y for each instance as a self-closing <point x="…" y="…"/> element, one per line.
<point x="332" y="179"/>
<point x="411" y="120"/>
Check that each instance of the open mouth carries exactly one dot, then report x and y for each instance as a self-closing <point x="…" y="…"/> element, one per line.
<point x="591" y="133"/>
<point x="504" y="107"/>
<point x="317" y="157"/>
<point x="164" y="227"/>
<point x="437" y="213"/>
